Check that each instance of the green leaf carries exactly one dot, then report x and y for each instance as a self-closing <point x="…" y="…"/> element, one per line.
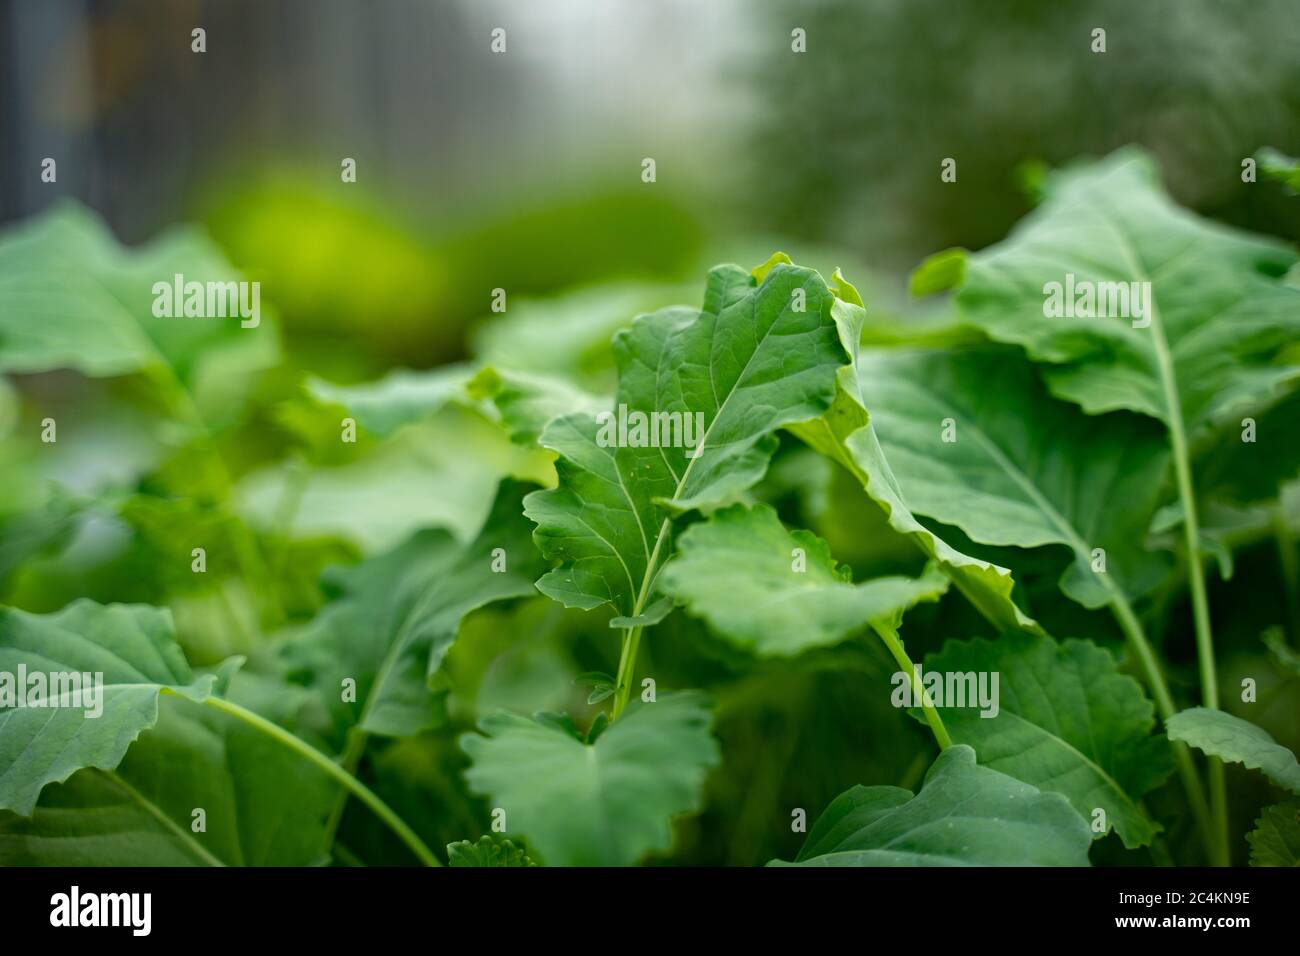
<point x="603" y="804"/>
<point x="652" y="615"/>
<point x="397" y="399"/>
<point x="97" y="819"/>
<point x="1286" y="657"/>
<point x="965" y="815"/>
<point x="442" y="472"/>
<point x="568" y="335"/>
<point x="529" y="401"/>
<point x="1222" y="527"/>
<point x="1248" y="472"/>
<point x="599" y="724"/>
<point x="1022" y="468"/>
<point x="1236" y="741"/>
<point x="38" y="531"/>
<point x="778" y="593"/>
<point x="1219" y="310"/>
<point x="1275" y="841"/>
<point x="1066" y="722"/>
<point x="943" y="270"/>
<point x="490" y="850"/>
<point x="845" y="434"/>
<point x="261" y="805"/>
<point x="602" y="685"/>
<point x="133" y="647"/>
<point x="1278" y="166"/>
<point x="593" y="678"/>
<point x="749" y="362"/>
<point x="397" y="615"/>
<point x="73" y="297"/>
<point x="167" y="529"/>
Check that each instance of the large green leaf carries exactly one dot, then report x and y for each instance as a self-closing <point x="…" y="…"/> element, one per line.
<point x="739" y="571"/>
<point x="1236" y="741"/>
<point x="845" y="434"/>
<point x="56" y="734"/>
<point x="1022" y="468"/>
<point x="964" y="815"/>
<point x="606" y="803"/>
<point x="261" y="805"/>
<point x="525" y="400"/>
<point x="1219" y="310"/>
<point x="759" y="355"/>
<point x="1067" y="722"/>
<point x="97" y="819"/>
<point x="397" y="614"/>
<point x="72" y="297"/>
<point x="1275" y="841"/>
<point x="167" y="529"/>
<point x="399" y="398"/>
<point x="529" y="401"/>
<point x="569" y="334"/>
<point x="440" y="472"/>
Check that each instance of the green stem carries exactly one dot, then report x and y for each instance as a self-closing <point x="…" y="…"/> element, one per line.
<point x="151" y="808"/>
<point x="1195" y="571"/>
<point x="1219" y="807"/>
<point x="1289" y="563"/>
<point x="895" y="645"/>
<point x="1160" y="854"/>
<point x="1201" y="621"/>
<point x="915" y="771"/>
<point x="345" y="856"/>
<point x="626" y="670"/>
<point x="632" y="636"/>
<point x="1136" y="636"/>
<point x="358" y="789"/>
<point x="349" y="761"/>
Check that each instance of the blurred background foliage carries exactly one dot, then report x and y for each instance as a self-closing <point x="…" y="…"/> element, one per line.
<point x="523" y="172"/>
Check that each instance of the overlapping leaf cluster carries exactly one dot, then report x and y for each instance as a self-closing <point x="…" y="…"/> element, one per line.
<point x="1036" y="494"/>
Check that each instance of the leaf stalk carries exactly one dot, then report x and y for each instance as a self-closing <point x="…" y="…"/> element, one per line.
<point x="363" y="793"/>
<point x="895" y="644"/>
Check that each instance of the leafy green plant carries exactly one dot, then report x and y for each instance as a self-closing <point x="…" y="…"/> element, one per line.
<point x="1001" y="822"/>
<point x="475" y="608"/>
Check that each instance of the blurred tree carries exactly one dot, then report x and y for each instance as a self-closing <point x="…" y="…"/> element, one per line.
<point x="849" y="143"/>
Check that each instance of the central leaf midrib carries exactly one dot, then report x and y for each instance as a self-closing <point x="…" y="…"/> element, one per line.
<point x="397" y="646"/>
<point x="1064" y="527"/>
<point x="157" y="813"/>
<point x="604" y="825"/>
<point x="1159" y="344"/>
<point x="702" y="447"/>
<point x="1087" y="761"/>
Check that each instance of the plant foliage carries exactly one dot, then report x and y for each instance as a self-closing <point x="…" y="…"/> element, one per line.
<point x="624" y="587"/>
